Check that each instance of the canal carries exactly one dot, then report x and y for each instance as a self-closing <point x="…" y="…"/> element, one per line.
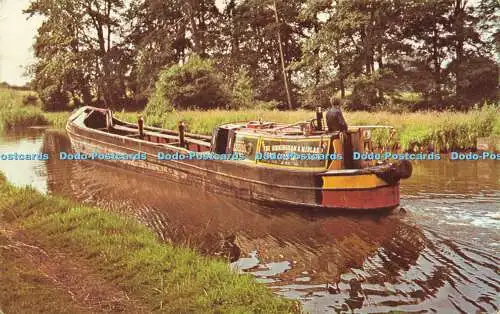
<point x="439" y="254"/>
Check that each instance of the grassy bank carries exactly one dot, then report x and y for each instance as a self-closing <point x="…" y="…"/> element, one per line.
<point x="14" y="114"/>
<point x="118" y="252"/>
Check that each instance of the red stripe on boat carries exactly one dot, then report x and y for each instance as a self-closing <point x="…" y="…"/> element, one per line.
<point x="382" y="197"/>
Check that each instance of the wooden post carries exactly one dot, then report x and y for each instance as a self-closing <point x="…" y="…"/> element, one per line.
<point x="182" y="128"/>
<point x="282" y="57"/>
<point x="319" y="118"/>
<point x="109" y="120"/>
<point x="140" y="124"/>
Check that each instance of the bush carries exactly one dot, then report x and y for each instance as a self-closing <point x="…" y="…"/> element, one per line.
<point x="194" y="85"/>
<point x="364" y="92"/>
<point x="54" y="99"/>
<point x="30" y="100"/>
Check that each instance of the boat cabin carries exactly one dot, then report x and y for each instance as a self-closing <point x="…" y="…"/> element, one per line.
<point x="323" y="143"/>
<point x="297" y="146"/>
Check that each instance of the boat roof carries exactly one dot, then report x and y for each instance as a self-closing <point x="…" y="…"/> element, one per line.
<point x="287" y="130"/>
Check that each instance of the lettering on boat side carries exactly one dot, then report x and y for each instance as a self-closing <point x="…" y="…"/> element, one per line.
<point x="293" y="148"/>
<point x="101" y="156"/>
<point x="246" y="146"/>
<point x="303" y="153"/>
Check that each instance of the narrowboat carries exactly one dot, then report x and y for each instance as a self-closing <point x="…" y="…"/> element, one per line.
<point x="304" y="164"/>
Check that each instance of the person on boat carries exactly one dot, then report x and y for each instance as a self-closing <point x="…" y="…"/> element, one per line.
<point x="336" y="123"/>
<point x="334" y="117"/>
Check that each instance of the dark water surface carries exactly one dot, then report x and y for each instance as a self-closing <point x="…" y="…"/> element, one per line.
<point x="439" y="256"/>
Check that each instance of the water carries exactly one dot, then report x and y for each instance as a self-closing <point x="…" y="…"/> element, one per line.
<point x="438" y="255"/>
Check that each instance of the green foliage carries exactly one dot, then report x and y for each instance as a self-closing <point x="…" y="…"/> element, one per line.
<point x="375" y="48"/>
<point x="317" y="96"/>
<point x="14" y="117"/>
<point x="243" y="92"/>
<point x="364" y="93"/>
<point x="54" y="99"/>
<point x="123" y="252"/>
<point x="14" y="114"/>
<point x="442" y="130"/>
<point x="449" y="131"/>
<point x="479" y="83"/>
<point x="80" y="53"/>
<point x="195" y="84"/>
<point x="496" y="127"/>
<point x="112" y="51"/>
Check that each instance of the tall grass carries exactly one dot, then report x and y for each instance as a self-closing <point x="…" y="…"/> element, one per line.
<point x="14" y="114"/>
<point x="442" y="131"/>
<point x="57" y="120"/>
<point x="127" y="254"/>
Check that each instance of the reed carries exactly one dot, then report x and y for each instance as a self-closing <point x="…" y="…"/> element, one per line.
<point x="57" y="120"/>
<point x="123" y="252"/>
<point x="16" y="112"/>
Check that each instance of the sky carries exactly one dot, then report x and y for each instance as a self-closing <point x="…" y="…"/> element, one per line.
<point x="16" y="38"/>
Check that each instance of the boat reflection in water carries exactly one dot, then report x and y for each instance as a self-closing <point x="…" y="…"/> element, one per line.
<point x="330" y="262"/>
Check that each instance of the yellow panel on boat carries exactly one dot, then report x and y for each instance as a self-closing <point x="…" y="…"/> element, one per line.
<point x="365" y="181"/>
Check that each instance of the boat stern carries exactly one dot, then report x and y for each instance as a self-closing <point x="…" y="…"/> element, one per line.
<point x="363" y="189"/>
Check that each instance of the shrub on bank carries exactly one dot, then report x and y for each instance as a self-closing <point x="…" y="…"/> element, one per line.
<point x="30" y="100"/>
<point x="242" y="94"/>
<point x="195" y="84"/>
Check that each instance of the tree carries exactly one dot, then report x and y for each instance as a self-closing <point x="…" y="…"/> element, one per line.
<point x="354" y="43"/>
<point x="252" y="33"/>
<point x="163" y="33"/>
<point x="110" y="51"/>
<point x="79" y="49"/>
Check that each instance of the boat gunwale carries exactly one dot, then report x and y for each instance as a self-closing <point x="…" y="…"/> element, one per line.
<point x="242" y="178"/>
<point x="249" y="164"/>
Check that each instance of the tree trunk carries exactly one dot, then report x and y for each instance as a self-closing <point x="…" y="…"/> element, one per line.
<point x="341" y="70"/>
<point x="366" y="57"/>
<point x="437" y="68"/>
<point x="282" y="57"/>
<point x="459" y="46"/>
<point x="380" y="68"/>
